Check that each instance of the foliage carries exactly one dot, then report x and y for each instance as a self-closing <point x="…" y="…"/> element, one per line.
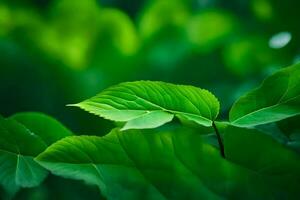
<point x="164" y="141"/>
<point x="23" y="137"/>
<point x="174" y="162"/>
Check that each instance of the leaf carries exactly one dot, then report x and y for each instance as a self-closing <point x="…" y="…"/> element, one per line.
<point x="174" y="164"/>
<point x="294" y="142"/>
<point x="277" y="98"/>
<point x="149" y="104"/>
<point x="290" y="126"/>
<point x="48" y="128"/>
<point x="126" y="163"/>
<point x="22" y="137"/>
<point x="267" y="157"/>
<point x="149" y="120"/>
<point x="286" y="132"/>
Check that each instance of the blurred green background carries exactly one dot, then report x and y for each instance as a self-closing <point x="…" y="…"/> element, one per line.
<point x="55" y="52"/>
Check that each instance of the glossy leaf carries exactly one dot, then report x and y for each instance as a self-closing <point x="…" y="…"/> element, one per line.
<point x="22" y="137"/>
<point x="175" y="164"/>
<point x="147" y="104"/>
<point x="277" y="98"/>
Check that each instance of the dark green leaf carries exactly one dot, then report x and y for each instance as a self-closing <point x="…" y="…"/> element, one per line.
<point x="48" y="128"/>
<point x="22" y="137"/>
<point x="290" y="126"/>
<point x="175" y="165"/>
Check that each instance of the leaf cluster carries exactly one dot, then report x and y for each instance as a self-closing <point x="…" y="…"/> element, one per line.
<point x="142" y="159"/>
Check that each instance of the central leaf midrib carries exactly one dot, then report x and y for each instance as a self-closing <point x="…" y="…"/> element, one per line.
<point x="146" y="110"/>
<point x="189" y="169"/>
<point x="152" y="103"/>
<point x="16" y="154"/>
<point x="33" y="133"/>
<point x="135" y="166"/>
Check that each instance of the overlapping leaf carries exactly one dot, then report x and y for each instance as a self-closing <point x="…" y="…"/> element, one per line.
<point x="22" y="137"/>
<point x="147" y="104"/>
<point x="276" y="99"/>
<point x="291" y="129"/>
<point x="177" y="165"/>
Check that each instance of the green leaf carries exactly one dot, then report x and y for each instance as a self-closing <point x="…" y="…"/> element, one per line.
<point x="175" y="164"/>
<point x="291" y="128"/>
<point x="264" y="154"/>
<point x="48" y="128"/>
<point x="277" y="98"/>
<point x="259" y="152"/>
<point x="148" y="104"/>
<point x="22" y="137"/>
<point x="136" y="164"/>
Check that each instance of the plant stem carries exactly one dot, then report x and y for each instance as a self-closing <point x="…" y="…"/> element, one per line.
<point x="221" y="145"/>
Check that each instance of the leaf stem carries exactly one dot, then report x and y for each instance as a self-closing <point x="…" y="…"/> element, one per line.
<point x="221" y="145"/>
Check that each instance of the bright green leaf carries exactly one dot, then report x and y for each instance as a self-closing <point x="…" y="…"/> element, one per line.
<point x="151" y="119"/>
<point x="277" y="98"/>
<point x="147" y="104"/>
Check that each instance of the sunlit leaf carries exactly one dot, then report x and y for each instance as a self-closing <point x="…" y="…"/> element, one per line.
<point x="147" y="104"/>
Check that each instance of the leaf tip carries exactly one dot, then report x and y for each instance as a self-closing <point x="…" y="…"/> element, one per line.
<point x="73" y="105"/>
